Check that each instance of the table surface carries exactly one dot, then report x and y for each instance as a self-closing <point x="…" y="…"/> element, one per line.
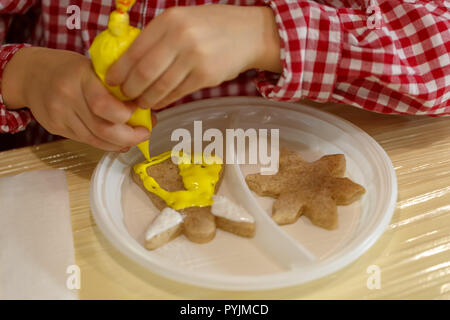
<point x="413" y="254"/>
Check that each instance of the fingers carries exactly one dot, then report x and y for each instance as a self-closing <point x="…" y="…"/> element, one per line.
<point x="119" y="71"/>
<point x="79" y="132"/>
<point x="187" y="86"/>
<point x="103" y="104"/>
<point x="119" y="133"/>
<point x="154" y="120"/>
<point x="145" y="72"/>
<point x="165" y="84"/>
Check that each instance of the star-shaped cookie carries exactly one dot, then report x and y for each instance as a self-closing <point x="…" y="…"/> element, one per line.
<point x="310" y="188"/>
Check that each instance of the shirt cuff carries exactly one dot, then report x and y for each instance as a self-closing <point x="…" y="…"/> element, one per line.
<point x="17" y="120"/>
<point x="310" y="49"/>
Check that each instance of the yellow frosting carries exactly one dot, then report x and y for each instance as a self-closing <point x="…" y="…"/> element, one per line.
<point x="107" y="48"/>
<point x="199" y="180"/>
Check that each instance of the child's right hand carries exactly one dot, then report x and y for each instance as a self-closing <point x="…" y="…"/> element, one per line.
<point x="66" y="97"/>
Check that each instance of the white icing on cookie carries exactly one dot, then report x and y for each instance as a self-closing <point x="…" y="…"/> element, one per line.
<point x="167" y="219"/>
<point x="225" y="208"/>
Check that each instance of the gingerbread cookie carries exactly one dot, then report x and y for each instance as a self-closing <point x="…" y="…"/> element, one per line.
<point x="232" y="217"/>
<point x="193" y="214"/>
<point x="165" y="227"/>
<point x="310" y="188"/>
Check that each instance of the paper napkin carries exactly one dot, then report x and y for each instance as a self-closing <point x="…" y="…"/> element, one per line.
<point x="36" y="242"/>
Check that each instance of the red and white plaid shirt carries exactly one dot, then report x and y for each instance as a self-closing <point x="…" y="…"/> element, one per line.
<point x="331" y="50"/>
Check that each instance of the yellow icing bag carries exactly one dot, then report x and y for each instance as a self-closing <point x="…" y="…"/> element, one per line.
<point x="107" y="48"/>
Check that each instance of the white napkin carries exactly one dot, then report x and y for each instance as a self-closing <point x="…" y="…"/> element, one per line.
<point x="36" y="243"/>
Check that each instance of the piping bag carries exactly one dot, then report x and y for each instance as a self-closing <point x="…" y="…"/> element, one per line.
<point x="107" y="48"/>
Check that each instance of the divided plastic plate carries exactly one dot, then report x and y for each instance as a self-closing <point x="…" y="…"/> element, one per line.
<point x="278" y="256"/>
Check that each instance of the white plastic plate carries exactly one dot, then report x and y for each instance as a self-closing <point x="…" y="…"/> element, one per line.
<point x="278" y="256"/>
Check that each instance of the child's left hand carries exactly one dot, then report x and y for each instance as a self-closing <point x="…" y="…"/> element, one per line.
<point x="189" y="48"/>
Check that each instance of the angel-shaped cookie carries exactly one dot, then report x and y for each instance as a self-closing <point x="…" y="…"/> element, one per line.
<point x="197" y="222"/>
<point x="310" y="188"/>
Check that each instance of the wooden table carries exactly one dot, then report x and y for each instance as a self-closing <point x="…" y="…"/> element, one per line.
<point x="413" y="254"/>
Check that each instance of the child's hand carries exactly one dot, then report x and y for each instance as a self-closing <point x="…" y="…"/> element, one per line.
<point x="189" y="48"/>
<point x="66" y="97"/>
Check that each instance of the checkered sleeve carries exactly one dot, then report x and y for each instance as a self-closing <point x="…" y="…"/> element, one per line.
<point x="17" y="120"/>
<point x="389" y="57"/>
<point x="310" y="47"/>
<point x="11" y="121"/>
<point x="358" y="4"/>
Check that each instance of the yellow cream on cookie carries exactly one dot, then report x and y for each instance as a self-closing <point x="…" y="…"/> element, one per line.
<point x="199" y="179"/>
<point x="107" y="48"/>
